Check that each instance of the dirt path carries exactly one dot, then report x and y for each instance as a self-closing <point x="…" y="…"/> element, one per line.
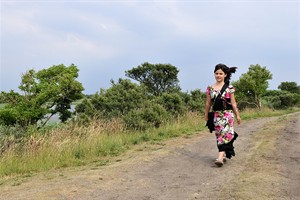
<point x="266" y="167"/>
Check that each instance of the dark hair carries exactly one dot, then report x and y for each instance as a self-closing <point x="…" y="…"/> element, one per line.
<point x="227" y="70"/>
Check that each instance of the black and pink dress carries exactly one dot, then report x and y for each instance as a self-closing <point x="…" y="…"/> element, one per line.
<point x="223" y="119"/>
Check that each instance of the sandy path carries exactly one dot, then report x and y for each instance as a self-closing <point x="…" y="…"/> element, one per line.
<point x="180" y="169"/>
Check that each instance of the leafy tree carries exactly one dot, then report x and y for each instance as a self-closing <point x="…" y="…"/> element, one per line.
<point x="290" y="87"/>
<point x="196" y="101"/>
<point x="252" y="85"/>
<point x="150" y="114"/>
<point x="44" y="94"/>
<point x="1" y="99"/>
<point x="158" y="78"/>
<point x="172" y="102"/>
<point x="116" y="101"/>
<point x="281" y="99"/>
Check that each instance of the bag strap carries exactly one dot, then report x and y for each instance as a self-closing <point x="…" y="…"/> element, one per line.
<point x="221" y="92"/>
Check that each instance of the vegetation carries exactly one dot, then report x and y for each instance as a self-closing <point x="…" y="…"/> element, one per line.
<point x="45" y="93"/>
<point x="97" y="144"/>
<point x="252" y="86"/>
<point x="115" y="119"/>
<point x="290" y="87"/>
<point x="158" y="78"/>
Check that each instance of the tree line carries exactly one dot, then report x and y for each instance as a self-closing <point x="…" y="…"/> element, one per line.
<point x="148" y="97"/>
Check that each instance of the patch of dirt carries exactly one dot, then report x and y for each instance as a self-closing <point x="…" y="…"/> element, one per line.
<point x="289" y="158"/>
<point x="183" y="169"/>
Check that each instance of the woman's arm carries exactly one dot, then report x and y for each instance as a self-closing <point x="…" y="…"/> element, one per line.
<point x="235" y="108"/>
<point x="207" y="106"/>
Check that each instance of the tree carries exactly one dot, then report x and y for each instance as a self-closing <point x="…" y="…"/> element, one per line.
<point x="150" y="114"/>
<point x="281" y="99"/>
<point x="1" y="99"/>
<point x="172" y="102"/>
<point x="116" y="101"/>
<point x="158" y="78"/>
<point x="196" y="102"/>
<point x="291" y="87"/>
<point x="252" y="85"/>
<point x="44" y="94"/>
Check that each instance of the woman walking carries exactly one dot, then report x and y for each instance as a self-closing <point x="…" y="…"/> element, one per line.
<point x="225" y="109"/>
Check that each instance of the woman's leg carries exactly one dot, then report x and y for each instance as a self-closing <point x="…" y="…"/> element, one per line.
<point x="221" y="155"/>
<point x="220" y="160"/>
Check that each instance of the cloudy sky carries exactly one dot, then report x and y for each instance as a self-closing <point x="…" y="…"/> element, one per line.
<point x="106" y="38"/>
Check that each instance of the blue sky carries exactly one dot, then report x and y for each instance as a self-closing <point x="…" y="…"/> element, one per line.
<point x="106" y="38"/>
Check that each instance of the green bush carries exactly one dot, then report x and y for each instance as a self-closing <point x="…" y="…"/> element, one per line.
<point x="116" y="101"/>
<point x="8" y="116"/>
<point x="277" y="99"/>
<point x="173" y="103"/>
<point x="151" y="115"/>
<point x="196" y="101"/>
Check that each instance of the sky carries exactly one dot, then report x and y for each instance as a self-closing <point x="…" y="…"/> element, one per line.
<point x="106" y="38"/>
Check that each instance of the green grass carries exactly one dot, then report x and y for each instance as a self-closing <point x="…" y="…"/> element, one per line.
<point x="69" y="146"/>
<point x="255" y="113"/>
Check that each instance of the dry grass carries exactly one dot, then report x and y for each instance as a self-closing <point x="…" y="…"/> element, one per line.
<point x="74" y="145"/>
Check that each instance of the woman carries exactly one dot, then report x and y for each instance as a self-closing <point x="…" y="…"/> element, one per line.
<point x="225" y="108"/>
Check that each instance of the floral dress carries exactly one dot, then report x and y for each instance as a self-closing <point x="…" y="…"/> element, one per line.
<point x="223" y="119"/>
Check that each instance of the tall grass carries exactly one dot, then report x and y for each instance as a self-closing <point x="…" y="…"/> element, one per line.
<point x="251" y="113"/>
<point x="72" y="145"/>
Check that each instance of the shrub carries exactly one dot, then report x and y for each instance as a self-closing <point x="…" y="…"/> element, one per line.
<point x="173" y="103"/>
<point x="8" y="116"/>
<point x="151" y="115"/>
<point x="277" y="99"/>
<point x="116" y="101"/>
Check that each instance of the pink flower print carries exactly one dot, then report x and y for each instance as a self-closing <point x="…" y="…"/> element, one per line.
<point x="231" y="121"/>
<point x="227" y="115"/>
<point x="218" y="128"/>
<point x="228" y="136"/>
<point x="227" y="95"/>
<point x="220" y="139"/>
<point x="208" y="90"/>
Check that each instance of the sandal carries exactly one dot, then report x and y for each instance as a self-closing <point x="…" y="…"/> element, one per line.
<point x="219" y="163"/>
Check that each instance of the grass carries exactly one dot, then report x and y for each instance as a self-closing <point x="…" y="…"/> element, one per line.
<point x="265" y="112"/>
<point x="71" y="146"/>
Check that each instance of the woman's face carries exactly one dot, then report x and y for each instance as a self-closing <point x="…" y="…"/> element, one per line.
<point x="220" y="75"/>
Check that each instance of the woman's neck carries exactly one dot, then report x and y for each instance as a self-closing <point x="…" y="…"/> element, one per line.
<point x="219" y="83"/>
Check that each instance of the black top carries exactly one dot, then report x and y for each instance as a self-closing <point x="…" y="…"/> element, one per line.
<point x="222" y="104"/>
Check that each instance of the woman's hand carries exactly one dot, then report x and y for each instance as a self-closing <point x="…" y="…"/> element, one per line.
<point x="238" y="119"/>
<point x="235" y="108"/>
<point x="206" y="117"/>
